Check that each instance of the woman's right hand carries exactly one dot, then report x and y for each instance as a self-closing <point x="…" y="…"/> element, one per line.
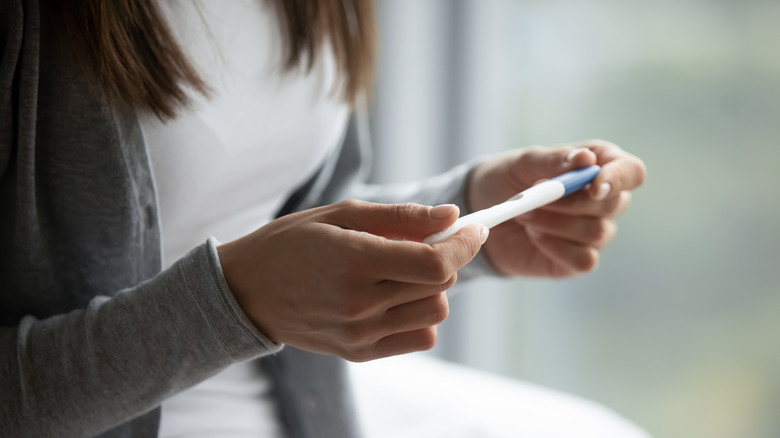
<point x="351" y="279"/>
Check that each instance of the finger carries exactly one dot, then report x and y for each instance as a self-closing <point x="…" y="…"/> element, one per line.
<point x="585" y="230"/>
<point x="399" y="343"/>
<point x="457" y="250"/>
<point x="619" y="169"/>
<point x="414" y="262"/>
<point x="386" y="295"/>
<point x="414" y="315"/>
<point x="389" y="294"/>
<point x="540" y="163"/>
<point x="583" y="204"/>
<point x="567" y="258"/>
<point x="393" y="221"/>
<point x="404" y="318"/>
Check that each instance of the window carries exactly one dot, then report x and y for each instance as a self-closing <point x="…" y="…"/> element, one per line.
<point x="677" y="329"/>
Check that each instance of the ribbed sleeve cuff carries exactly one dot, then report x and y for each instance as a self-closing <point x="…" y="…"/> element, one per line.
<point x="206" y="282"/>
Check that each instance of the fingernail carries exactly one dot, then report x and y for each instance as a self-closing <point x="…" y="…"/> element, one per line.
<point x="574" y="153"/>
<point x="442" y="211"/>
<point x="603" y="191"/>
<point x="483" y="234"/>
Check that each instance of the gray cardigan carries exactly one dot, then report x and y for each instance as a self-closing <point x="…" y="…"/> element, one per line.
<point x="93" y="334"/>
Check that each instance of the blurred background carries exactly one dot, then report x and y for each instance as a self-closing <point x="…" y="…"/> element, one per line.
<point x="678" y="328"/>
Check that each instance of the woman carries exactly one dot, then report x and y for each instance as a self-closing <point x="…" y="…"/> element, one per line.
<point x="131" y="132"/>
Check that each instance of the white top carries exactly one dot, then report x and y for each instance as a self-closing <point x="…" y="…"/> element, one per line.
<point x="225" y="168"/>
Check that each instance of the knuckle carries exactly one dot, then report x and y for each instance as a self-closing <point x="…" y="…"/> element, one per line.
<point x="450" y="282"/>
<point x="622" y="203"/>
<point x="344" y="212"/>
<point x="429" y="252"/>
<point x="619" y="177"/>
<point x="438" y="268"/>
<point x="610" y="230"/>
<point x="474" y="245"/>
<point x="641" y="173"/>
<point x="408" y="208"/>
<point x="531" y="155"/>
<point x="587" y="261"/>
<point x="427" y="338"/>
<point x="349" y="356"/>
<point x="611" y="205"/>
<point x="470" y="245"/>
<point x="596" y="230"/>
<point x="355" y="337"/>
<point x="349" y="204"/>
<point x="403" y="212"/>
<point x="440" y="308"/>
<point x="358" y="355"/>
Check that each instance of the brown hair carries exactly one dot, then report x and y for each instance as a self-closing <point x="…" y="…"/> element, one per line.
<point x="138" y="62"/>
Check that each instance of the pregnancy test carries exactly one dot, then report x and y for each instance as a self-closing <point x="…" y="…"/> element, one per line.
<point x="523" y="202"/>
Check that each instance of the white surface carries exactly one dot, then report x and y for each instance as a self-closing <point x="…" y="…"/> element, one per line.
<point x="418" y="395"/>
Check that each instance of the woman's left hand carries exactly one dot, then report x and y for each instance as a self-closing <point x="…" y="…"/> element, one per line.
<point x="564" y="238"/>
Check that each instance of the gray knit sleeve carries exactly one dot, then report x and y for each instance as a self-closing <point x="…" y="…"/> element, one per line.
<point x="81" y="373"/>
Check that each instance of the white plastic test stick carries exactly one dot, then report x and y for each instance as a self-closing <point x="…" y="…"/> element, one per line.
<point x="530" y="199"/>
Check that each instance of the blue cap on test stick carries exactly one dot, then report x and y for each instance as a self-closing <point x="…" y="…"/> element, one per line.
<point x="577" y="179"/>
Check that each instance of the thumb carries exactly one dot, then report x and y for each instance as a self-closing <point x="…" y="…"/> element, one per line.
<point x="394" y="221"/>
